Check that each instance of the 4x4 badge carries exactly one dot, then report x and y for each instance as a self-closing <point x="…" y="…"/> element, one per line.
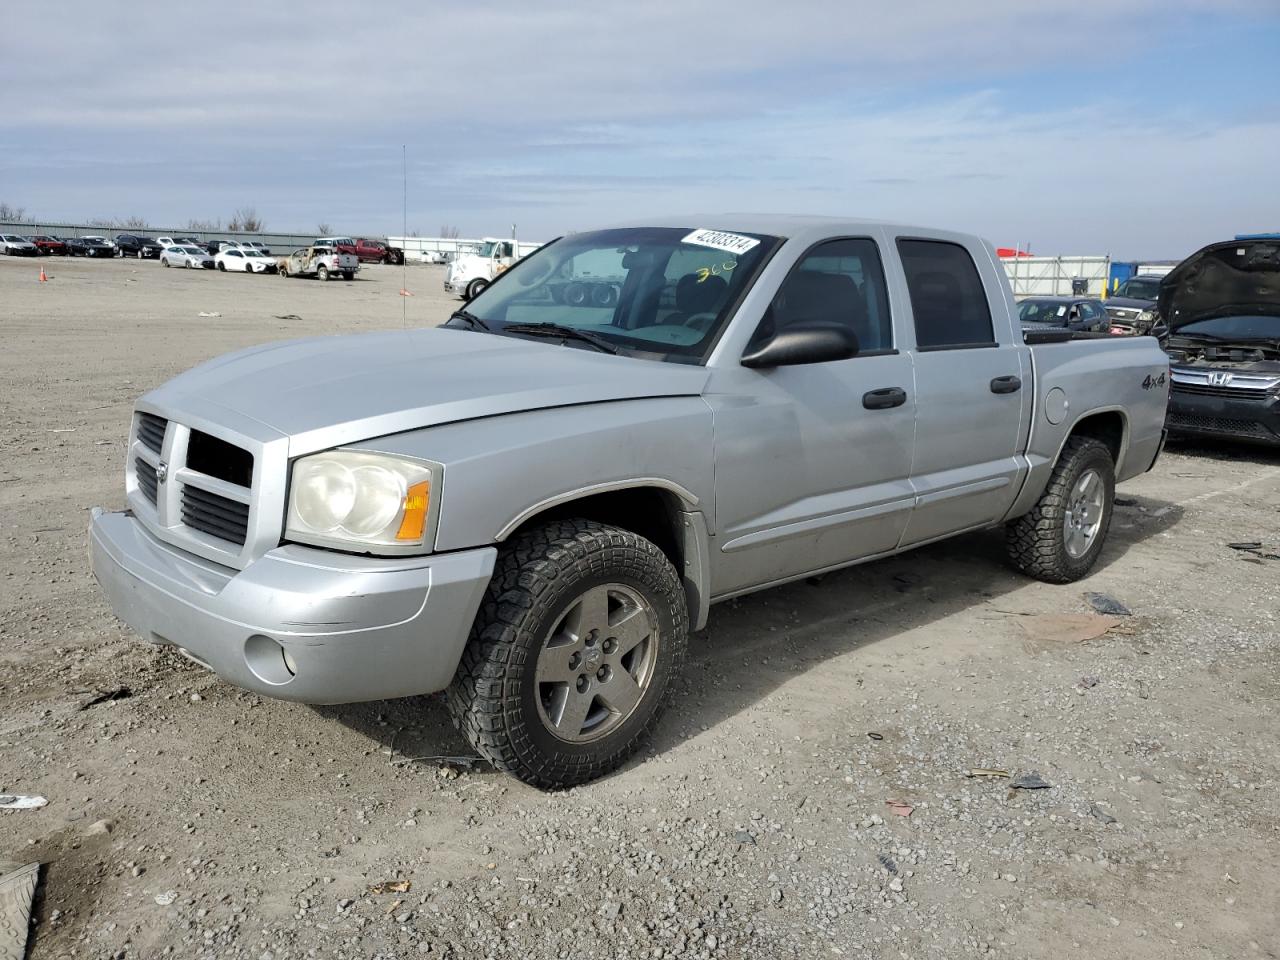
<point x="162" y="471"/>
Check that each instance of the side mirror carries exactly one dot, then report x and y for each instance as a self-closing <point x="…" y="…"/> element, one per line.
<point x="804" y="342"/>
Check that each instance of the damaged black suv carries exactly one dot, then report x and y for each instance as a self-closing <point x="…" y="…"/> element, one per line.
<point x="1221" y="312"/>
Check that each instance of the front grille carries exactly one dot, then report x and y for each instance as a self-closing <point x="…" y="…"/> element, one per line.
<point x="1121" y="313"/>
<point x="215" y="515"/>
<point x="1238" y="428"/>
<point x="146" y="475"/>
<point x="216" y="458"/>
<point x="151" y="431"/>
<point x="1230" y="393"/>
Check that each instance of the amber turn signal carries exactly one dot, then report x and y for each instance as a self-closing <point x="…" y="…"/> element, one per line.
<point x="416" y="502"/>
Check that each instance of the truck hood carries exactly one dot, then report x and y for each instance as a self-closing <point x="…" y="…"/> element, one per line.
<point x="327" y="391"/>
<point x="1129" y="303"/>
<point x="1235" y="278"/>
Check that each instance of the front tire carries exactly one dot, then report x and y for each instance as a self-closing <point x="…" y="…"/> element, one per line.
<point x="322" y="272"/>
<point x="571" y="658"/>
<point x="476" y="287"/>
<point x="164" y="261"/>
<point x="222" y="266"/>
<point x="1060" y="539"/>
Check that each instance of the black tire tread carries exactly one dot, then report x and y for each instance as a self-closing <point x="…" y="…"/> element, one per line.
<point x="1034" y="541"/>
<point x="484" y="698"/>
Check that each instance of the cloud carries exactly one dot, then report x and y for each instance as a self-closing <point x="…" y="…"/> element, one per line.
<point x="923" y="109"/>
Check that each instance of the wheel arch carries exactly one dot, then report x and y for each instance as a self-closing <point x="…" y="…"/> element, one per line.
<point x="1107" y="425"/>
<point x="662" y="511"/>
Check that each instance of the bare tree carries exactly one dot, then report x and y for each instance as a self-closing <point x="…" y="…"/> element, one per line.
<point x="11" y="214"/>
<point x="246" y="219"/>
<point x="204" y="225"/>
<point x="102" y="222"/>
<point x="449" y="233"/>
<point x="133" y="223"/>
<point x="323" y="229"/>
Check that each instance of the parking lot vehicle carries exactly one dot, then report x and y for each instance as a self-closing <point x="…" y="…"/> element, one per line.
<point x="242" y="260"/>
<point x="49" y="246"/>
<point x="375" y="251"/>
<point x="1085" y="314"/>
<point x="189" y="257"/>
<point x="1222" y="309"/>
<point x="1132" y="310"/>
<point x="533" y="505"/>
<point x="89" y="247"/>
<point x="319" y="262"/>
<point x="471" y="272"/>
<point x="132" y="245"/>
<point x="340" y="244"/>
<point x="16" y="246"/>
<point x="258" y="245"/>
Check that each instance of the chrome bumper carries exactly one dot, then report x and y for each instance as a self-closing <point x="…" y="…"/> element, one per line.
<point x="297" y="623"/>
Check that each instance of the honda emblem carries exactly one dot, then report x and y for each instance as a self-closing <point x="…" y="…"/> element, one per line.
<point x="1220" y="379"/>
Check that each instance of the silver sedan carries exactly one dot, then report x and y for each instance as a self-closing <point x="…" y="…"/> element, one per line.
<point x="189" y="257"/>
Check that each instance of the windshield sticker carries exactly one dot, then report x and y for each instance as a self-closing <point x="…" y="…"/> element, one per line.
<point x="719" y="240"/>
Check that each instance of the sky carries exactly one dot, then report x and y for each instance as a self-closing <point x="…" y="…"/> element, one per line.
<point x="1135" y="128"/>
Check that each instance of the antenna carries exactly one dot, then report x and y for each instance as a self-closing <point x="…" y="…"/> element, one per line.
<point x="404" y="234"/>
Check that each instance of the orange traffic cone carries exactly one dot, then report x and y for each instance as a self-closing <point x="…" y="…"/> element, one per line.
<point x="43" y="278"/>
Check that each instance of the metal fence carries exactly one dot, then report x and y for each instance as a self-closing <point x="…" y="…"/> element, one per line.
<point x="1053" y="276"/>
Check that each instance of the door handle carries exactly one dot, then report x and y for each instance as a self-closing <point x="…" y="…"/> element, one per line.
<point x="1006" y="385"/>
<point x="884" y="398"/>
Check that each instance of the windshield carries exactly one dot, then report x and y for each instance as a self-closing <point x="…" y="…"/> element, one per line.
<point x="1247" y="327"/>
<point x="1140" y="288"/>
<point x="191" y="250"/>
<point x="1043" y="311"/>
<point x="485" y="250"/>
<point x="663" y="292"/>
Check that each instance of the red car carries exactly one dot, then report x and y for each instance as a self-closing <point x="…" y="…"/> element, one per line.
<point x="376" y="251"/>
<point x="49" y="245"/>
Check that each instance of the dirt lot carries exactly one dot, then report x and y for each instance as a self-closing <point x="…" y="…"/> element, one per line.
<point x="194" y="820"/>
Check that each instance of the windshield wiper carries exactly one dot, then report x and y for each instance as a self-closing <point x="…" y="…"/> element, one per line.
<point x="560" y="332"/>
<point x="470" y="318"/>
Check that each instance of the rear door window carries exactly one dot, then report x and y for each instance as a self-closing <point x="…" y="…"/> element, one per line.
<point x="948" y="300"/>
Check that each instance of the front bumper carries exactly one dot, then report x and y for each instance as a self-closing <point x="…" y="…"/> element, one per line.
<point x="1256" y="420"/>
<point x="457" y="287"/>
<point x="354" y="628"/>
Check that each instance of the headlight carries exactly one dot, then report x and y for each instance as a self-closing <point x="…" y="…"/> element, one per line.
<point x="352" y="500"/>
<point x="1146" y="316"/>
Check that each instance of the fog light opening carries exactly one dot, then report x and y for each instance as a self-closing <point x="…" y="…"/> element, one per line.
<point x="269" y="661"/>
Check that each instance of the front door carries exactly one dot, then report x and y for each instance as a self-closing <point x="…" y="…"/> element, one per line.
<point x="813" y="461"/>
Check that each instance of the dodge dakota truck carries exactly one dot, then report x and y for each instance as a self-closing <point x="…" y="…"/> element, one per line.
<point x="531" y="506"/>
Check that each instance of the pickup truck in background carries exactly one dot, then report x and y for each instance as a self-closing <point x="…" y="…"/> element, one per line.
<point x="531" y="506"/>
<point x="319" y="262"/>
<point x="375" y="251"/>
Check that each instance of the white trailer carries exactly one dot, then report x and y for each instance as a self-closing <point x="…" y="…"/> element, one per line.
<point x="1057" y="276"/>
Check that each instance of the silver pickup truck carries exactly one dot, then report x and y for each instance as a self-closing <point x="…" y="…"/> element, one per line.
<point x="531" y="506"/>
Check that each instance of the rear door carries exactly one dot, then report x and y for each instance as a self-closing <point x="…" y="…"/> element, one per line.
<point x="972" y="386"/>
<point x="813" y="461"/>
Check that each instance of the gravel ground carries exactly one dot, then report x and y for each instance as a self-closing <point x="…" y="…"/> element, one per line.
<point x="191" y="819"/>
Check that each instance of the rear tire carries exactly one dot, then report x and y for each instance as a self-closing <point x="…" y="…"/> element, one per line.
<point x="348" y="274"/>
<point x="1060" y="539"/>
<point x="577" y="614"/>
